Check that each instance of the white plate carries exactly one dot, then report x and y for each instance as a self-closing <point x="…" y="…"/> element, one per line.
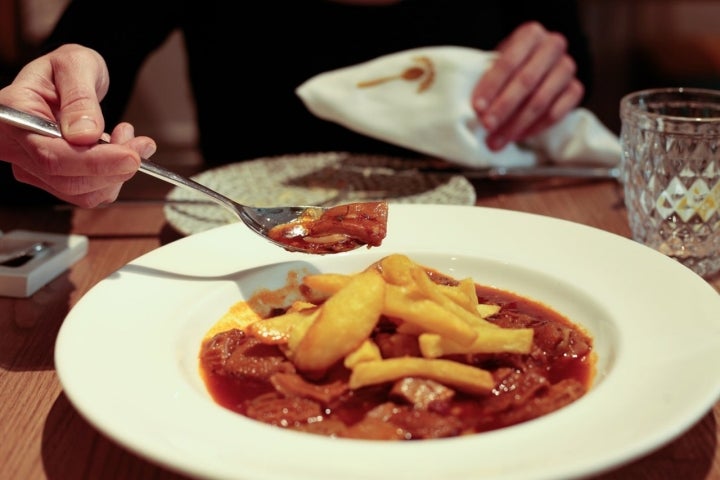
<point x="324" y="178"/>
<point x="127" y="354"/>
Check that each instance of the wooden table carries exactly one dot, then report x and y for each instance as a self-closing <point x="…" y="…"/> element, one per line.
<point x="42" y="436"/>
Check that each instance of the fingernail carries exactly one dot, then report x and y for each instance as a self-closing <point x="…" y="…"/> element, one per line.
<point x="480" y="104"/>
<point x="496" y="143"/>
<point x="490" y="122"/>
<point x="148" y="151"/>
<point x="128" y="165"/>
<point x="83" y="124"/>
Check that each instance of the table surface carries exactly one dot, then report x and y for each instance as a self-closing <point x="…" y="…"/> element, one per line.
<point x="44" y="437"/>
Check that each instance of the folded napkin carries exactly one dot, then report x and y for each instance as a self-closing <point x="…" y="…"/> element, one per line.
<point x="420" y="99"/>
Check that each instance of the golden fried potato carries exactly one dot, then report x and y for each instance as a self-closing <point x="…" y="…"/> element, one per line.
<point x="239" y="316"/>
<point x="427" y="315"/>
<point x="344" y="321"/>
<point x="396" y="269"/>
<point x="276" y="330"/>
<point x="367" y="351"/>
<point x="487" y="310"/>
<point x="302" y="324"/>
<point x="322" y="285"/>
<point x="489" y="340"/>
<point x="460" y="295"/>
<point x="434" y="293"/>
<point x="300" y="305"/>
<point x="453" y="374"/>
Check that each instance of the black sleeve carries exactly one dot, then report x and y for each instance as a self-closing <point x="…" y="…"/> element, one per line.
<point x="124" y="33"/>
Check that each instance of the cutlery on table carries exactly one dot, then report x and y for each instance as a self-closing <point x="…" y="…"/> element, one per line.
<point x="498" y="172"/>
<point x="22" y="253"/>
<point x="534" y="171"/>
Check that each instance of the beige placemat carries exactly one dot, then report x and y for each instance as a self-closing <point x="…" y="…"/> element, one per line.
<point x="325" y="178"/>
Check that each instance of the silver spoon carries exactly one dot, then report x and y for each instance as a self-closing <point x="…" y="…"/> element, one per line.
<point x="260" y="220"/>
<point x="32" y="250"/>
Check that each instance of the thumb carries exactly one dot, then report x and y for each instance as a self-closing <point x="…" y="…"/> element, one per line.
<point x="81" y="79"/>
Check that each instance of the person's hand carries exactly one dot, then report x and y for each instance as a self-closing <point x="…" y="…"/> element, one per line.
<point x="530" y="86"/>
<point x="66" y="86"/>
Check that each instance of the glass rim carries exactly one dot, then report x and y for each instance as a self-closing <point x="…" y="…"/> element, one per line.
<point x="628" y="106"/>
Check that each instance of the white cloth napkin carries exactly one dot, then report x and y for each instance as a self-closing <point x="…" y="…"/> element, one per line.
<point x="429" y="111"/>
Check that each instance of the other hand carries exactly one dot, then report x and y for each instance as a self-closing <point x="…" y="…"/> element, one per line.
<point x="530" y="86"/>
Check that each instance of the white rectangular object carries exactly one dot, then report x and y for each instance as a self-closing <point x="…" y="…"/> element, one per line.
<point x="28" y="273"/>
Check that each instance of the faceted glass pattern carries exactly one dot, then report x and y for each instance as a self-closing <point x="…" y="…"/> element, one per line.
<point x="671" y="173"/>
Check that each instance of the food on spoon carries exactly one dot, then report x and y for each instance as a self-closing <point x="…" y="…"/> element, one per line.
<point x="338" y="229"/>
<point x="351" y="359"/>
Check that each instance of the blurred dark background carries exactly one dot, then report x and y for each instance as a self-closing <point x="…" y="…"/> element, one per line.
<point x="650" y="43"/>
<point x="636" y="44"/>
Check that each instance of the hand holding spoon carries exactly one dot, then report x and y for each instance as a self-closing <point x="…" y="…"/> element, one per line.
<point x="307" y="229"/>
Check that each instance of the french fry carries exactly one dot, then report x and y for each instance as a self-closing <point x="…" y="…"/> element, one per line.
<point x="367" y="351"/>
<point x="463" y="377"/>
<point x="299" y="330"/>
<point x="487" y="310"/>
<point x="463" y="293"/>
<point x="396" y="269"/>
<point x="434" y="293"/>
<point x="345" y="320"/>
<point x="489" y="340"/>
<point x="409" y="328"/>
<point x="427" y="315"/>
<point x="300" y="305"/>
<point x="276" y="330"/>
<point x="239" y="316"/>
<point x="325" y="284"/>
<point x="467" y="286"/>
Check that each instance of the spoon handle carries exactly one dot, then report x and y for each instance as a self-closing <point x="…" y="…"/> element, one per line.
<point x="29" y="122"/>
<point x="155" y="170"/>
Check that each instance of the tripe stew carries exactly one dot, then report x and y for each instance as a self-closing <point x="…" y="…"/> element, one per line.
<point x="364" y="392"/>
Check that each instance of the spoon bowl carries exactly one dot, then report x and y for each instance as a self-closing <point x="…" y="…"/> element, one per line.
<point x="307" y="229"/>
<point x="258" y="219"/>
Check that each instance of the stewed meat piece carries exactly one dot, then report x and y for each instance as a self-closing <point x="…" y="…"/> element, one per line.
<point x="338" y="229"/>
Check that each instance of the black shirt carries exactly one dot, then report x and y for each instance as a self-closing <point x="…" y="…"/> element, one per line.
<point x="246" y="61"/>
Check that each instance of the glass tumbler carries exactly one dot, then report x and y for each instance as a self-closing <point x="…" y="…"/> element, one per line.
<point x="670" y="169"/>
